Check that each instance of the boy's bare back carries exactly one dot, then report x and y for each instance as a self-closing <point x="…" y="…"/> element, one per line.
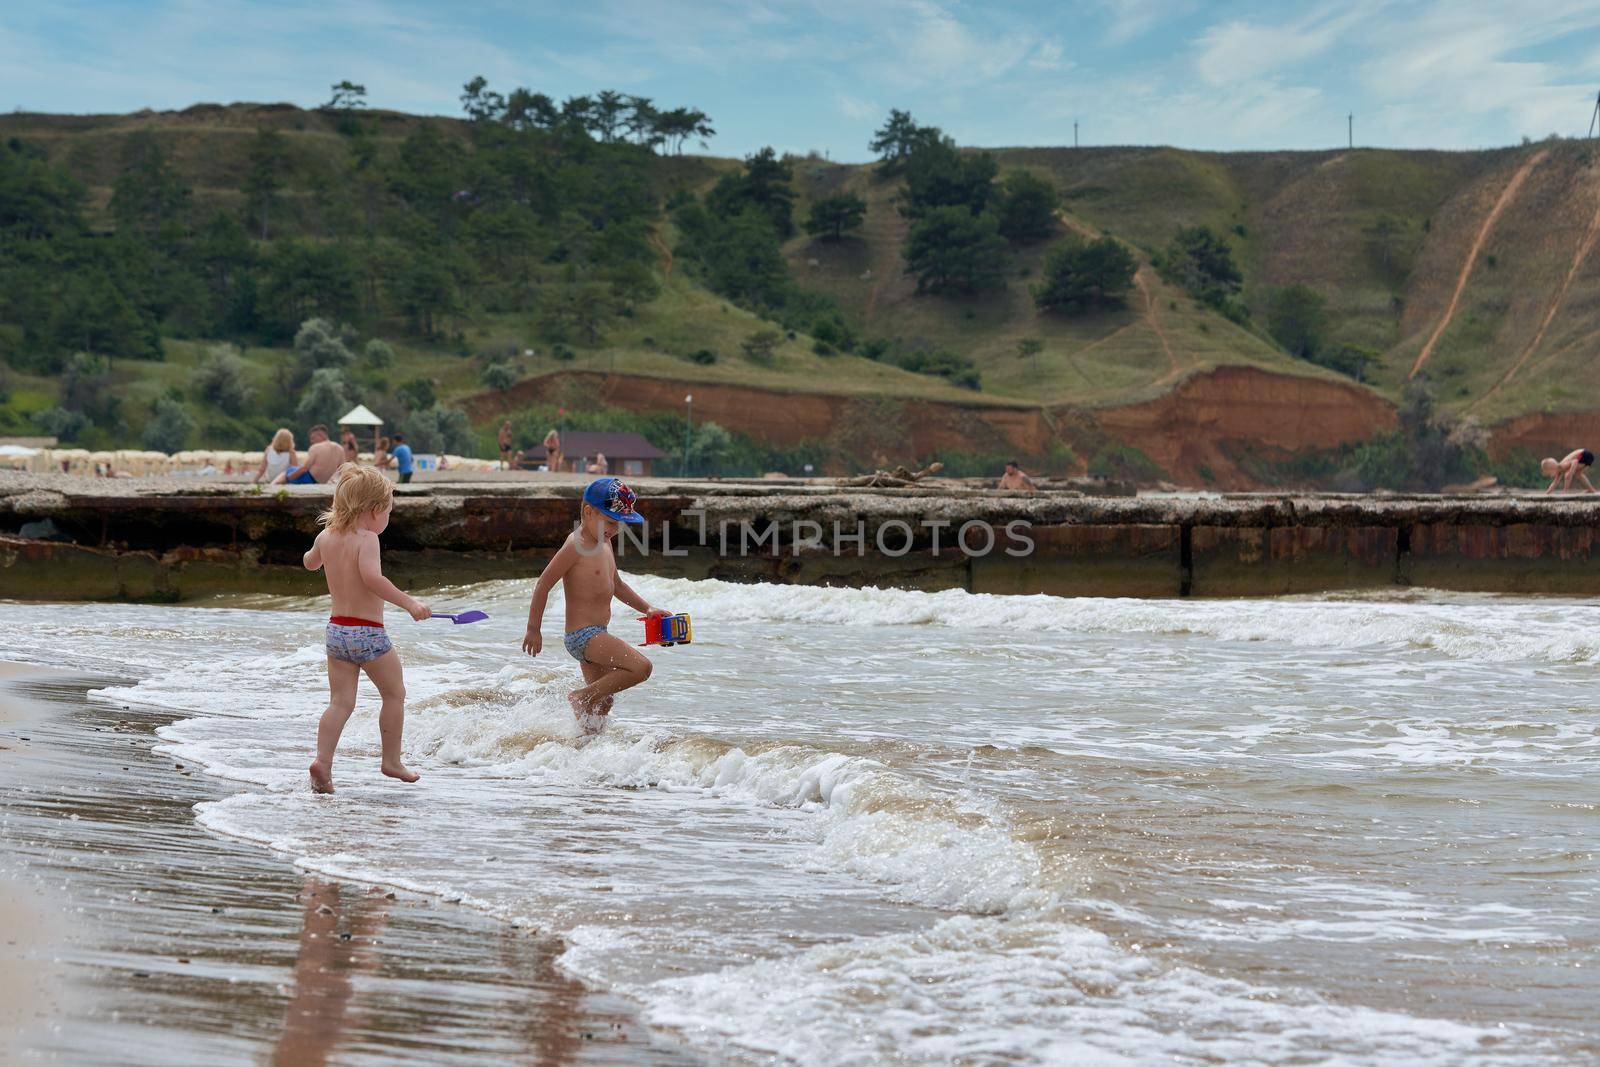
<point x="346" y="558"/>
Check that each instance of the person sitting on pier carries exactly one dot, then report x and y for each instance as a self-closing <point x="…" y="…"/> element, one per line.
<point x="1014" y="478"/>
<point x="323" y="460"/>
<point x="1566" y="469"/>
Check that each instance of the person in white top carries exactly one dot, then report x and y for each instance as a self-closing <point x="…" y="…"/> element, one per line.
<point x="278" y="457"/>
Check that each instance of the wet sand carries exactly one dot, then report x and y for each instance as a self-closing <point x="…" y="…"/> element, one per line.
<point x="159" y="942"/>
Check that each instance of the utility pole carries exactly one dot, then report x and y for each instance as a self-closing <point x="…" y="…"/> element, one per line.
<point x="1074" y="133"/>
<point x="1594" y="119"/>
<point x="688" y="424"/>
<point x="1351" y="129"/>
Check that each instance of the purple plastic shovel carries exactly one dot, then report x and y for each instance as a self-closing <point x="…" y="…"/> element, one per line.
<point x="464" y="617"/>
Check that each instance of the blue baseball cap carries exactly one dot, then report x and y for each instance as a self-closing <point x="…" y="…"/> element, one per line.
<point x="611" y="498"/>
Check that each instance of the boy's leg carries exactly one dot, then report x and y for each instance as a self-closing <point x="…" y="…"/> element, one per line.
<point x="342" y="677"/>
<point x="386" y="674"/>
<point x="593" y="672"/>
<point x="621" y="667"/>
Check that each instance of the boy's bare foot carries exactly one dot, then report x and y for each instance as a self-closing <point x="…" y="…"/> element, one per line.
<point x="321" y="780"/>
<point x="399" y="771"/>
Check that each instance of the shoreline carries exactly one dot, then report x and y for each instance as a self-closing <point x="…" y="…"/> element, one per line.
<point x="174" y="944"/>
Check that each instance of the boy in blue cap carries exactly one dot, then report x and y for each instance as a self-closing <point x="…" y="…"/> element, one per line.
<point x="588" y="572"/>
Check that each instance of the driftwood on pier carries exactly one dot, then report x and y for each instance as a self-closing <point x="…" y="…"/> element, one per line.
<point x="898" y="478"/>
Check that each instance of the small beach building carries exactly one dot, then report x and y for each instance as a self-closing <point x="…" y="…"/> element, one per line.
<point x="628" y="455"/>
<point x="359" y="418"/>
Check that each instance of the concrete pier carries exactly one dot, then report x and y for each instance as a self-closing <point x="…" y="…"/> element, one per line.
<point x="75" y="538"/>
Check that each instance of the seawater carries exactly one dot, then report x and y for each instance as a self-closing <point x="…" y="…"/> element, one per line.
<point x="870" y="826"/>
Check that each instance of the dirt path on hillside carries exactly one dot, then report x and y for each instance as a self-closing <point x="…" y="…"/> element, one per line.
<point x="1581" y="253"/>
<point x="666" y="255"/>
<point x="1506" y="196"/>
<point x="1154" y="322"/>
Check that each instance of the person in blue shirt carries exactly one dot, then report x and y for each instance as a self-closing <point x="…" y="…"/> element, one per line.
<point x="402" y="458"/>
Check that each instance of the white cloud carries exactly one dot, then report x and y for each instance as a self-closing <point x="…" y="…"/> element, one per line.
<point x="857" y="109"/>
<point x="1458" y="73"/>
<point x="1238" y="51"/>
<point x="1132" y="19"/>
<point x="1049" y="55"/>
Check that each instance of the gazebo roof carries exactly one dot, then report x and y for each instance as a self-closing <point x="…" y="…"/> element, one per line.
<point x="360" y="416"/>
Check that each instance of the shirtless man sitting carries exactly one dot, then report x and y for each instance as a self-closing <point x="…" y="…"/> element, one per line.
<point x="323" y="460"/>
<point x="1566" y="469"/>
<point x="1013" y="478"/>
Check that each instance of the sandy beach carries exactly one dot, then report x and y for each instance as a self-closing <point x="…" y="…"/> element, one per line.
<point x="160" y="942"/>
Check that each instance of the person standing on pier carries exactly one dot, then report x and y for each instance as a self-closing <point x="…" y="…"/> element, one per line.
<point x="1014" y="478"/>
<point x="505" y="445"/>
<point x="1565" y="470"/>
<point x="403" y="463"/>
<point x="552" y="451"/>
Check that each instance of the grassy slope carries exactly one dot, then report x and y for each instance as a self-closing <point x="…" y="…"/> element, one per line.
<point x="1116" y="357"/>
<point x="1316" y="218"/>
<point x="1384" y="235"/>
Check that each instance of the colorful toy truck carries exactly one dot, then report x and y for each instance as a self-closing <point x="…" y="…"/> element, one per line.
<point x="667" y="630"/>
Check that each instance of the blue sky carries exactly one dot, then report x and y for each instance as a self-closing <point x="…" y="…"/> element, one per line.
<point x="821" y="74"/>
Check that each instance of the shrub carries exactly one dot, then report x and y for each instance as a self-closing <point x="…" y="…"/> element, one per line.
<point x="759" y="346"/>
<point x="875" y="348"/>
<point x="1027" y="207"/>
<point x="1296" y="319"/>
<point x="221" y="379"/>
<point x="320" y="344"/>
<point x="959" y="369"/>
<point x="379" y="354"/>
<point x="833" y="215"/>
<point x="326" y="397"/>
<point x="1202" y="263"/>
<point x="500" y="376"/>
<point x="61" y="423"/>
<point x="1083" y="277"/>
<point x="702" y="356"/>
<point x="439" y="429"/>
<point x="169" y="427"/>
<point x="1354" y="360"/>
<point x="562" y="353"/>
<point x="951" y="250"/>
<point x="417" y="394"/>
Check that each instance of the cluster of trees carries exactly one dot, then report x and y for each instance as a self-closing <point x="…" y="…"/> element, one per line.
<point x="1200" y="261"/>
<point x="1297" y="319"/>
<point x="537" y="207"/>
<point x="963" y="221"/>
<point x="328" y="372"/>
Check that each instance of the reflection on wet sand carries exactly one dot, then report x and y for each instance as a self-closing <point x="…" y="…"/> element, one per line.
<point x="187" y="947"/>
<point x="336" y="944"/>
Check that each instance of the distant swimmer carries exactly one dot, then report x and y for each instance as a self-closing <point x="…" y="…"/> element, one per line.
<point x="1014" y="478"/>
<point x="1567" y="469"/>
<point x="588" y="572"/>
<point x="347" y="553"/>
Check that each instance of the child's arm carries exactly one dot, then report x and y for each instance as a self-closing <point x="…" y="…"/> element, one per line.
<point x="626" y="594"/>
<point x="371" y="570"/>
<point x="1584" y="478"/>
<point x="313" y="558"/>
<point x="553" y="572"/>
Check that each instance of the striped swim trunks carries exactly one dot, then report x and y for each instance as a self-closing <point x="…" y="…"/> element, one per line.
<point x="356" y="640"/>
<point x="577" y="641"/>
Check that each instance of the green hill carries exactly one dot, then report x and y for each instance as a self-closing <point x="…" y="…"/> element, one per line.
<point x="468" y="246"/>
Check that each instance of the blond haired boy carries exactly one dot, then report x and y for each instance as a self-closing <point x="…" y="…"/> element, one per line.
<point x="347" y="552"/>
